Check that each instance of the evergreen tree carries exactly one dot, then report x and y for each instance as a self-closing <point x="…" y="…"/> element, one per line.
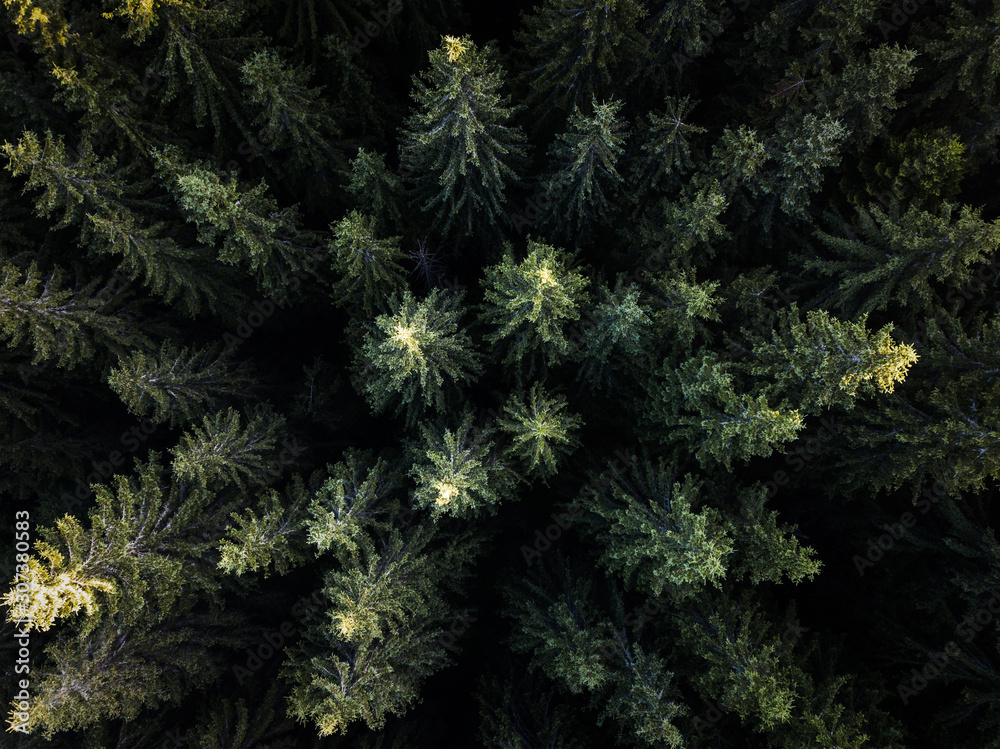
<point x="255" y="232"/>
<point x="680" y="304"/>
<point x="94" y="192"/>
<point x="200" y="57"/>
<point x="458" y="145"/>
<point x="177" y="383"/>
<point x="414" y="352"/>
<point x="368" y="267"/>
<point x="295" y="116"/>
<point x="728" y="425"/>
<point x="924" y="168"/>
<point x="559" y="624"/>
<point x="576" y="52"/>
<point x="666" y="153"/>
<point x="143" y="533"/>
<point x="377" y="192"/>
<point x="583" y="178"/>
<point x="618" y="337"/>
<point x="70" y="186"/>
<point x="815" y="146"/>
<point x="946" y="432"/>
<point x="270" y="533"/>
<point x="357" y="495"/>
<point x="681" y="230"/>
<point x="899" y="257"/>
<point x="541" y="432"/>
<point x="821" y="361"/>
<point x="116" y="671"/>
<point x="645" y="701"/>
<point x="459" y="472"/>
<point x="676" y="32"/>
<point x="743" y="662"/>
<point x="381" y="633"/>
<point x="60" y="324"/>
<point x="886" y="69"/>
<point x="649" y="531"/>
<point x="227" y="724"/>
<point x="766" y="550"/>
<point x="224" y="450"/>
<point x="528" y="303"/>
<point x="522" y="714"/>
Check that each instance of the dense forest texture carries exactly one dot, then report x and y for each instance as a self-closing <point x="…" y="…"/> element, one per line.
<point x="427" y="373"/>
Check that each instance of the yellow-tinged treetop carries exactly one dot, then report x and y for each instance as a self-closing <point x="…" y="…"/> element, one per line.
<point x="456" y="47"/>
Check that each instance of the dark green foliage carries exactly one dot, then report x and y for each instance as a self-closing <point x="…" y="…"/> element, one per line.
<point x="386" y="610"/>
<point x="529" y="304"/>
<point x="578" y="51"/>
<point x="584" y="179"/>
<point x="539" y="429"/>
<point x="653" y="535"/>
<point x="415" y="352"/>
<point x="458" y="472"/>
<point x="177" y="383"/>
<point x="902" y="258"/>
<point x="378" y="192"/>
<point x="334" y="405"/>
<point x="368" y="267"/>
<point x="460" y="146"/>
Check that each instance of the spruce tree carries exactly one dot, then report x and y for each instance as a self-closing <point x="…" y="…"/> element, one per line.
<point x="459" y="471"/>
<point x="667" y="152"/>
<point x="115" y="671"/>
<point x="356" y="496"/>
<point x="94" y="193"/>
<point x="459" y="145"/>
<point x="415" y="353"/>
<point x="255" y="233"/>
<point x="576" y="52"/>
<point x="368" y="266"/>
<point x="294" y="116"/>
<point x="618" y="337"/>
<point x="742" y="659"/>
<point x="676" y="32"/>
<point x="902" y="258"/>
<point x="651" y="531"/>
<point x="127" y="563"/>
<point x="822" y="361"/>
<point x="177" y="382"/>
<point x="583" y="179"/>
<point x="540" y="432"/>
<point x="377" y="192"/>
<point x="271" y="533"/>
<point x="728" y="423"/>
<point x="67" y="326"/>
<point x="529" y="304"/>
<point x="386" y="611"/>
